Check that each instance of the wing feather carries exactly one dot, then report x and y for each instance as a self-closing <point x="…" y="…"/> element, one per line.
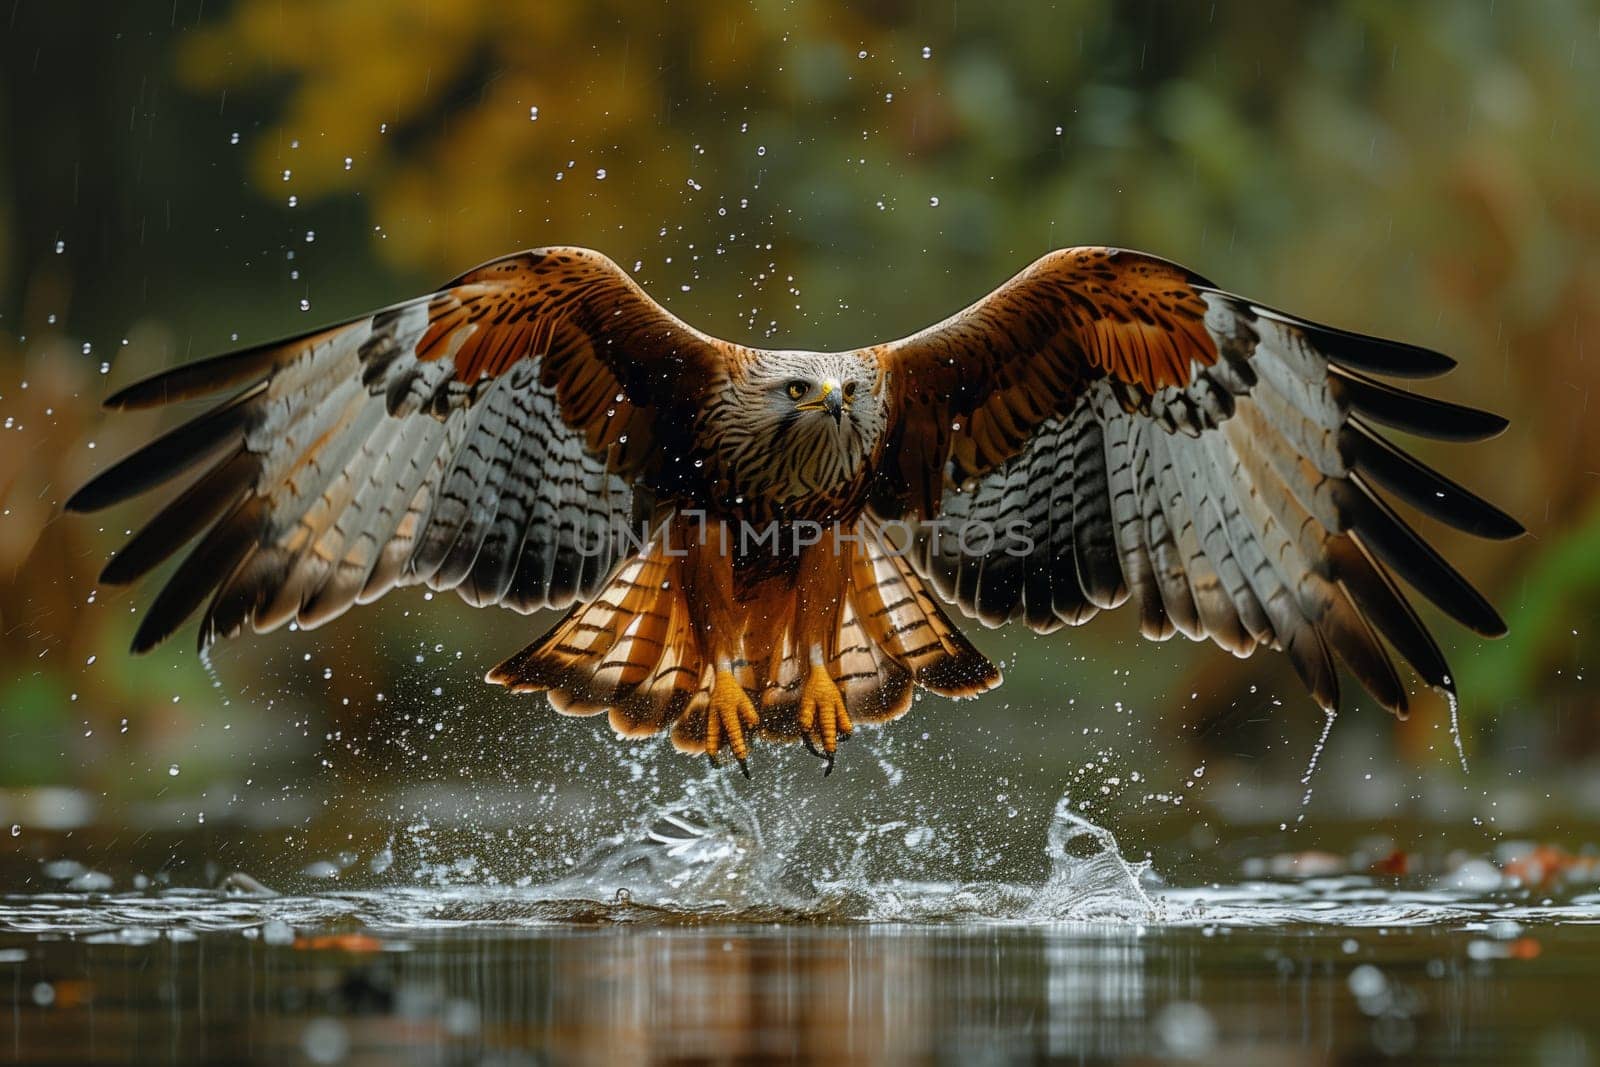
<point x="1209" y="457"/>
<point x="491" y="437"/>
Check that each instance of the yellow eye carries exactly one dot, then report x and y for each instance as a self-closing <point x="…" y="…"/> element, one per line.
<point x="797" y="389"/>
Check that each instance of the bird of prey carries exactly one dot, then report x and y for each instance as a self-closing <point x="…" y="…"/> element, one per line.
<point x="758" y="543"/>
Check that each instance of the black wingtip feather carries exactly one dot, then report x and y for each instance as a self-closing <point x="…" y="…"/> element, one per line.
<point x="1382" y="604"/>
<point x="166" y="457"/>
<point x="201" y="377"/>
<point x="1359" y="351"/>
<point x="1421" y="415"/>
<point x="1358" y="647"/>
<point x="1424" y="488"/>
<point x="1313" y="664"/>
<point x="179" y="522"/>
<point x="207" y="567"/>
<point x="1413" y="559"/>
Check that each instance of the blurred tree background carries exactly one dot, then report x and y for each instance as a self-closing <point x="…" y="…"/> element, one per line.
<point x="178" y="178"/>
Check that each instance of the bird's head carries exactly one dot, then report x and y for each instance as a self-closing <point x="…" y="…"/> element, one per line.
<point x="829" y="395"/>
<point x="837" y="390"/>
<point x="816" y="416"/>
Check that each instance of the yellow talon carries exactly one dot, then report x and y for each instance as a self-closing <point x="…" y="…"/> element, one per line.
<point x="731" y="711"/>
<point x="823" y="716"/>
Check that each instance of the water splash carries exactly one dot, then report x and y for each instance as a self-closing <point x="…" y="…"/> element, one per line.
<point x="1311" y="765"/>
<point x="1089" y="878"/>
<point x="1451" y="699"/>
<point x="215" y="676"/>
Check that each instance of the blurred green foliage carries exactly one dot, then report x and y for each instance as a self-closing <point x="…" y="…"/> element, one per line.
<point x="175" y="178"/>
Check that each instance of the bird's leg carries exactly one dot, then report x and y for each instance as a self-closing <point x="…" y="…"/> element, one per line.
<point x="824" y="720"/>
<point x="719" y="628"/>
<point x="820" y="591"/>
<point x="730" y="713"/>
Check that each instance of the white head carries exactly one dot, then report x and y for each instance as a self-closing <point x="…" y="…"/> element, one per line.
<point x="795" y="424"/>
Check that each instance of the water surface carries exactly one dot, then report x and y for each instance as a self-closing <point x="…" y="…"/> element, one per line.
<point x="686" y="936"/>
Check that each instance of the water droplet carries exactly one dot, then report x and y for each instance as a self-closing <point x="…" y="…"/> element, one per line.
<point x="172" y="771"/>
<point x="600" y="175"/>
<point x="861" y="54"/>
<point x="1455" y="726"/>
<point x="286" y="174"/>
<point x="927" y="52"/>
<point x="305" y="305"/>
<point x="533" y="113"/>
<point x="933" y="201"/>
<point x="311" y="236"/>
<point x="16" y="829"/>
<point x="233" y="138"/>
<point x="348" y="162"/>
<point x="61" y="246"/>
<point x="761" y="149"/>
<point x="293" y="200"/>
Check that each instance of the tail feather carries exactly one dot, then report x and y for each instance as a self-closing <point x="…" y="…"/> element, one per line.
<point x="633" y="652"/>
<point x="900" y="616"/>
<point x="630" y="651"/>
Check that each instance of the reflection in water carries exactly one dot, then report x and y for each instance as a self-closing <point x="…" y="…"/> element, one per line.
<point x="846" y="994"/>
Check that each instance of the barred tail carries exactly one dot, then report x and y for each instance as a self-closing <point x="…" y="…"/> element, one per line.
<point x="893" y="638"/>
<point x="630" y="652"/>
<point x="899" y="616"/>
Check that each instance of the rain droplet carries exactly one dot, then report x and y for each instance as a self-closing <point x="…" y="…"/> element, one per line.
<point x="533" y="113"/>
<point x="600" y="175"/>
<point x="16" y="829"/>
<point x="348" y="162"/>
<point x="927" y="52"/>
<point x="311" y="236"/>
<point x="293" y="200"/>
<point x="933" y="201"/>
<point x="305" y="305"/>
<point x="861" y="54"/>
<point x="172" y="771"/>
<point x="233" y="138"/>
<point x="61" y="246"/>
<point x="287" y="174"/>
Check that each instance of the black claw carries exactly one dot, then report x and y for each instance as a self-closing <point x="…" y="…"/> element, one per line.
<point x="805" y="739"/>
<point x="745" y="767"/>
<point x="828" y="767"/>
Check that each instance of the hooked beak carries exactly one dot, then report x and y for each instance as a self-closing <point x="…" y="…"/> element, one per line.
<point x="833" y="400"/>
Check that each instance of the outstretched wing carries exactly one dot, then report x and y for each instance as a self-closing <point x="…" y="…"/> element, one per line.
<point x="1109" y="426"/>
<point x="497" y="437"/>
